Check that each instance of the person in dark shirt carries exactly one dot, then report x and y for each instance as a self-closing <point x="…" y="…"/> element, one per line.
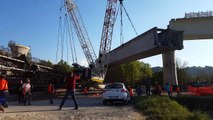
<point x="70" y="90"/>
<point x="19" y="92"/>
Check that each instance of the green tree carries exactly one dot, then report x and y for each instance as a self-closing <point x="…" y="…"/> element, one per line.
<point x="129" y="73"/>
<point x="132" y="72"/>
<point x="63" y="66"/>
<point x="146" y="71"/>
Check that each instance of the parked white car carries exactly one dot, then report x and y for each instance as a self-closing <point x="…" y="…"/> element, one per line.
<point x="115" y="92"/>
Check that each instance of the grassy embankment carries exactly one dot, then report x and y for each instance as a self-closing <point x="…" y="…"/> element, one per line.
<point x="163" y="108"/>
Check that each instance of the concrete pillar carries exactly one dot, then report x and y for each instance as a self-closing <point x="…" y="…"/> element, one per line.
<point x="169" y="68"/>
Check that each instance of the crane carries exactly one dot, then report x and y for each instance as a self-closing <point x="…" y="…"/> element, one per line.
<point x="98" y="65"/>
<point x="106" y="38"/>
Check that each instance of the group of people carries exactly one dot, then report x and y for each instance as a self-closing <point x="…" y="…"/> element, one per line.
<point x="169" y="89"/>
<point x="24" y="92"/>
<point x="154" y="90"/>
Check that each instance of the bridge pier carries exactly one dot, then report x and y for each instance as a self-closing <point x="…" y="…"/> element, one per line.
<point x="169" y="68"/>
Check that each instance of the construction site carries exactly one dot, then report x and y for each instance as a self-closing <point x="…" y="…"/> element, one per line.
<point x="17" y="63"/>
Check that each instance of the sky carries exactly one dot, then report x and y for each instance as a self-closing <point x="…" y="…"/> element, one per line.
<point x="35" y="23"/>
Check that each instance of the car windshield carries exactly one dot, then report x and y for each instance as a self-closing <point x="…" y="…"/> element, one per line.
<point x="113" y="86"/>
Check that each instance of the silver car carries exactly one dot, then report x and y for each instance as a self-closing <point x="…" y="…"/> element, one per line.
<point x="115" y="92"/>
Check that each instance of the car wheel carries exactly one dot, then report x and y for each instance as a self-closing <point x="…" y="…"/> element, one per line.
<point x="104" y="102"/>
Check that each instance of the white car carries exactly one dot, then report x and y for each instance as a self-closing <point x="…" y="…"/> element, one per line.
<point x="115" y="92"/>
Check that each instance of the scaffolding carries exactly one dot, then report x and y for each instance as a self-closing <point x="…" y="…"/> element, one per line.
<point x="199" y="14"/>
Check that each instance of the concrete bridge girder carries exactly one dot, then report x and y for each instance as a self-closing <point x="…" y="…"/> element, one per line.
<point x="194" y="28"/>
<point x="153" y="42"/>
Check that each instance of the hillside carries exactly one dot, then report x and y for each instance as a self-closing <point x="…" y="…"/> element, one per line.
<point x="192" y="71"/>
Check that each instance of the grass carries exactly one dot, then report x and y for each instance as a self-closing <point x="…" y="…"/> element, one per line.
<point x="163" y="108"/>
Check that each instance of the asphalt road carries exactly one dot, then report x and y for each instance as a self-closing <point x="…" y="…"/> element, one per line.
<point x="43" y="105"/>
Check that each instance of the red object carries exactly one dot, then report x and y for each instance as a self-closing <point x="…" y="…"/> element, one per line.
<point x="171" y="88"/>
<point x="71" y="81"/>
<point x="3" y="84"/>
<point x="130" y="92"/>
<point x="123" y="90"/>
<point x="204" y="90"/>
<point x="178" y="89"/>
<point x="51" y="88"/>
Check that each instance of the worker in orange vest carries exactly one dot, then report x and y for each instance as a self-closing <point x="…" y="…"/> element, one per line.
<point x="51" y="92"/>
<point x="3" y="90"/>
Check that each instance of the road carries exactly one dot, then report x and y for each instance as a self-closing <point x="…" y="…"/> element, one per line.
<point x="90" y="108"/>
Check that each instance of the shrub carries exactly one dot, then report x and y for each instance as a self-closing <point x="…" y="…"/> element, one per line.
<point x="162" y="108"/>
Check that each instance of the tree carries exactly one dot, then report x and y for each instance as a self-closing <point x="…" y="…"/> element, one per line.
<point x="146" y="70"/>
<point x="130" y="73"/>
<point x="63" y="66"/>
<point x="181" y="70"/>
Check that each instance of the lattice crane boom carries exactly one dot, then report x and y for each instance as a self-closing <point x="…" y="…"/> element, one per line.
<point x="100" y="64"/>
<point x="81" y="32"/>
<point x="107" y="31"/>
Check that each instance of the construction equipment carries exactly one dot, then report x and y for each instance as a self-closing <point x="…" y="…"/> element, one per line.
<point x="98" y="66"/>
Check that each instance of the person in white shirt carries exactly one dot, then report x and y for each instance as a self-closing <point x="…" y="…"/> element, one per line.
<point x="26" y="90"/>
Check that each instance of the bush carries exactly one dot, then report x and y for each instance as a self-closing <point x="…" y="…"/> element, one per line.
<point x="162" y="108"/>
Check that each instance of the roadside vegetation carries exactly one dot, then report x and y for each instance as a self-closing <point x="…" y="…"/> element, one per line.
<point x="163" y="108"/>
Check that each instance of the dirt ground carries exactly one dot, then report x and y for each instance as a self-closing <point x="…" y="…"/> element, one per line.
<point x="90" y="108"/>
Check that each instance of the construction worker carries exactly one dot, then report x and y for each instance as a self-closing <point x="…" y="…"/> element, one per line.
<point x="3" y="90"/>
<point x="71" y="84"/>
<point x="51" y="92"/>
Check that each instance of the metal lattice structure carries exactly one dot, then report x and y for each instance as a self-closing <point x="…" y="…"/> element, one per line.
<point x="81" y="32"/>
<point x="106" y="38"/>
<point x="99" y="67"/>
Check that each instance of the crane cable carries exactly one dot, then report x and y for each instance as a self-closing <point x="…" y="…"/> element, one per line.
<point x="121" y="22"/>
<point x="65" y="32"/>
<point x="58" y="37"/>
<point x="129" y="19"/>
<point x="71" y="41"/>
<point x="67" y="37"/>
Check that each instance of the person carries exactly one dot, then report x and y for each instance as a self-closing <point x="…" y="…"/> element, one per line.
<point x="26" y="91"/>
<point x="157" y="89"/>
<point x="85" y="91"/>
<point x="71" y="83"/>
<point x="148" y="89"/>
<point x="167" y="88"/>
<point x="1" y="108"/>
<point x="138" y="90"/>
<point x="130" y="92"/>
<point x="178" y="90"/>
<point x="19" y="92"/>
<point x="3" y="90"/>
<point x="51" y="92"/>
<point x="171" y="89"/>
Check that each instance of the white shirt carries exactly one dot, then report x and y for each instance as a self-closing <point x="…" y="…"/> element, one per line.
<point x="26" y="86"/>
